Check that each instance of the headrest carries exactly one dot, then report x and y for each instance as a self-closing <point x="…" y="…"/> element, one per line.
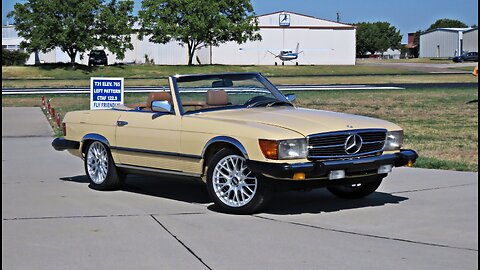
<point x="155" y="96"/>
<point x="217" y="97"/>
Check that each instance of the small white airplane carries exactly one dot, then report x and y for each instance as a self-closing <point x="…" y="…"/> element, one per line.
<point x="288" y="54"/>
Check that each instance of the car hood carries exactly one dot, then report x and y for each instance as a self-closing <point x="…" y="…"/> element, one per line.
<point x="303" y="121"/>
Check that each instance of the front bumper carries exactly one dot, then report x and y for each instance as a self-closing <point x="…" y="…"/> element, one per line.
<point x="61" y="144"/>
<point x="359" y="167"/>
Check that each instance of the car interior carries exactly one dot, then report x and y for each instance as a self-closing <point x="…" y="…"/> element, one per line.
<point x="214" y="98"/>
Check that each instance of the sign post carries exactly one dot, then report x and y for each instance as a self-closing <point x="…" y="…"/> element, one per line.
<point x="106" y="93"/>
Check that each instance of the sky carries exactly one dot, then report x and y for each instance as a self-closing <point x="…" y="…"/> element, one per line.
<point x="406" y="15"/>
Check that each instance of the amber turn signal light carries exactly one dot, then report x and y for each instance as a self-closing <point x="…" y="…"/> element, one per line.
<point x="410" y="163"/>
<point x="269" y="148"/>
<point x="299" y="176"/>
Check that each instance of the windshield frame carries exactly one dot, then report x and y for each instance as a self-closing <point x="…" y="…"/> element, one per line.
<point x="196" y="77"/>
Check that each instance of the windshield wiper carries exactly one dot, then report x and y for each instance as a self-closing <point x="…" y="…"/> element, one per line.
<point x="279" y="102"/>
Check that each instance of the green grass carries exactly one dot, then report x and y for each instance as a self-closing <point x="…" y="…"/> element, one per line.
<point x="57" y="71"/>
<point x="441" y="124"/>
<point x="301" y="80"/>
<point x="411" y="60"/>
<point x="470" y="68"/>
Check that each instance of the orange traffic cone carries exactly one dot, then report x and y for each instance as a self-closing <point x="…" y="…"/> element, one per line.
<point x="475" y="71"/>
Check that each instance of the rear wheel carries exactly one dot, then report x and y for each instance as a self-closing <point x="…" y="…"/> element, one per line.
<point x="233" y="187"/>
<point x="100" y="168"/>
<point x="357" y="190"/>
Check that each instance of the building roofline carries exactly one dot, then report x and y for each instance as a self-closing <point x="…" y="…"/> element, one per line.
<point x="473" y="29"/>
<point x="455" y="30"/>
<point x="308" y="16"/>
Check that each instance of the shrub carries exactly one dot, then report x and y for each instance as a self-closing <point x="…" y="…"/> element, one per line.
<point x="13" y="58"/>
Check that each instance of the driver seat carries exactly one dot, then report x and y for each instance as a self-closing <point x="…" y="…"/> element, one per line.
<point x="216" y="98"/>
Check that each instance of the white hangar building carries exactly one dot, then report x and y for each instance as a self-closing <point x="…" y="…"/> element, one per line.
<point x="323" y="42"/>
<point x="448" y="42"/>
<point x="320" y="42"/>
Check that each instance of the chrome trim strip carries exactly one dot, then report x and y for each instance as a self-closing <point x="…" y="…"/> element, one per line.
<point x="326" y="146"/>
<point x="133" y="167"/>
<point x="349" y="132"/>
<point x="152" y="152"/>
<point x="226" y="140"/>
<point x="373" y="142"/>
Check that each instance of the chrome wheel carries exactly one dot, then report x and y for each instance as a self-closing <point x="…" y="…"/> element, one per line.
<point x="97" y="162"/>
<point x="233" y="183"/>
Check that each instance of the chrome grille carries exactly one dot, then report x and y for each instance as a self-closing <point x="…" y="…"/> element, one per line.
<point x="332" y="145"/>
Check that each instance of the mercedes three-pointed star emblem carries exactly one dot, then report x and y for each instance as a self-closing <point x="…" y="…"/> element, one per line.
<point x="353" y="144"/>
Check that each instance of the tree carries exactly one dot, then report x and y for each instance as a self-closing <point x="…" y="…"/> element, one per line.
<point x="198" y="23"/>
<point x="75" y="26"/>
<point x="377" y="37"/>
<point x="447" y="23"/>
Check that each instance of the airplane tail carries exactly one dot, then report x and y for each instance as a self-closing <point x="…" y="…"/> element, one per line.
<point x="298" y="48"/>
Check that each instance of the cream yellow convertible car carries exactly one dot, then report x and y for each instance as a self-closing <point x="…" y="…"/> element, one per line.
<point x="241" y="136"/>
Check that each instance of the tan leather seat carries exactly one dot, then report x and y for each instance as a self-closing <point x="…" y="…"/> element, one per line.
<point x="217" y="98"/>
<point x="158" y="96"/>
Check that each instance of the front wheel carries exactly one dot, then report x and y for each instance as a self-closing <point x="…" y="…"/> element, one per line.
<point x="100" y="168"/>
<point x="233" y="187"/>
<point x="357" y="190"/>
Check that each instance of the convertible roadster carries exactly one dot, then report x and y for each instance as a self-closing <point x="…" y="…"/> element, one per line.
<point x="241" y="136"/>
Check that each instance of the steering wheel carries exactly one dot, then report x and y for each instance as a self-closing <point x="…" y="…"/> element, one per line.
<point x="256" y="100"/>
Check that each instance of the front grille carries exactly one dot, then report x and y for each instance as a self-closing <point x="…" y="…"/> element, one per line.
<point x="332" y="145"/>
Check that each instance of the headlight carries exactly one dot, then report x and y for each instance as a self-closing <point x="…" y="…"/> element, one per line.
<point x="394" y="140"/>
<point x="285" y="149"/>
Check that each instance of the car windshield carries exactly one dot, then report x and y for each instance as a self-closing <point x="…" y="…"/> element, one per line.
<point x="97" y="53"/>
<point x="202" y="93"/>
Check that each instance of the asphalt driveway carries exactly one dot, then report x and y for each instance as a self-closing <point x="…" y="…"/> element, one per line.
<point x="51" y="219"/>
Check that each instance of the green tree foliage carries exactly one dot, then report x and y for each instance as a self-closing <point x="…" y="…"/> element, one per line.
<point x="75" y="26"/>
<point x="198" y="23"/>
<point x="11" y="58"/>
<point x="377" y="37"/>
<point x="447" y="23"/>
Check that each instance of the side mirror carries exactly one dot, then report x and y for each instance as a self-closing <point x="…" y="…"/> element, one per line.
<point x="161" y="106"/>
<point x="291" y="97"/>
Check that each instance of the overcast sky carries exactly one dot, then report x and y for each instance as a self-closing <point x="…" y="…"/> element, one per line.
<point x="406" y="15"/>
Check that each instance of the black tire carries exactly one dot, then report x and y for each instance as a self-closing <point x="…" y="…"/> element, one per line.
<point x="356" y="191"/>
<point x="259" y="198"/>
<point x="113" y="179"/>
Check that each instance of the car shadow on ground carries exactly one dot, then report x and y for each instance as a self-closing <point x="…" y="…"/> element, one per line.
<point x="321" y="200"/>
<point x="283" y="203"/>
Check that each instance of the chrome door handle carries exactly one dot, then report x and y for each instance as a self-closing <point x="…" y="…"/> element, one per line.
<point x="121" y="123"/>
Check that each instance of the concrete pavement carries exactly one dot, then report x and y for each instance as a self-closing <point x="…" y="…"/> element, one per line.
<point x="51" y="219"/>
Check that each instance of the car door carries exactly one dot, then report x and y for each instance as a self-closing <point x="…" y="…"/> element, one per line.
<point x="148" y="142"/>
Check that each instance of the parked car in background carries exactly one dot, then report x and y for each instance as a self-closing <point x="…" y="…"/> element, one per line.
<point x="469" y="56"/>
<point x="241" y="136"/>
<point x="97" y="57"/>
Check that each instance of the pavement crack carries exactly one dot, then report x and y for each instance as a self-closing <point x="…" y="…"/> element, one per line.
<point x="367" y="235"/>
<point x="68" y="217"/>
<point x="181" y="243"/>
<point x="435" y="188"/>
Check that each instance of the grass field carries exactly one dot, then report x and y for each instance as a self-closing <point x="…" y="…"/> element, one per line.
<point x="64" y="72"/>
<point x="411" y="60"/>
<point x="299" y="80"/>
<point x="440" y="124"/>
